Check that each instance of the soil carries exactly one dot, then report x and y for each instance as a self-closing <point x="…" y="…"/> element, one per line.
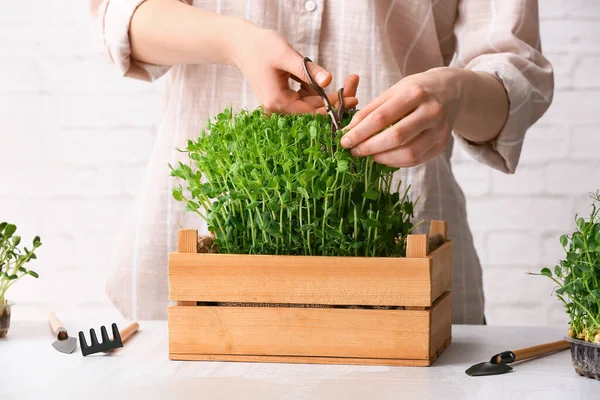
<point x="4" y="321"/>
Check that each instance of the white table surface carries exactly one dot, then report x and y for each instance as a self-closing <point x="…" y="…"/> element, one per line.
<point x="31" y="368"/>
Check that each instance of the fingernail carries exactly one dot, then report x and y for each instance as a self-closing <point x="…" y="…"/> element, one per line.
<point x="355" y="152"/>
<point x="345" y="142"/>
<point x="320" y="77"/>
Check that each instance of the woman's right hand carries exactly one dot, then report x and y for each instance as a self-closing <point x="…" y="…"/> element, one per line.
<point x="268" y="62"/>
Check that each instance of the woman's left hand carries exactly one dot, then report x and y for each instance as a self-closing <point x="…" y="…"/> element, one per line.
<point x="417" y="113"/>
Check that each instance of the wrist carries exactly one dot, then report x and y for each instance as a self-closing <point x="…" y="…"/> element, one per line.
<point x="238" y="32"/>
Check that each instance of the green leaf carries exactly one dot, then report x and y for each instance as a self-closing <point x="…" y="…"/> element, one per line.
<point x="9" y="230"/>
<point x="192" y="205"/>
<point x="578" y="243"/>
<point x="342" y="166"/>
<point x="372" y="223"/>
<point x="564" y="240"/>
<point x="546" y="272"/>
<point x="371" y="195"/>
<point x="33" y="273"/>
<point x="16" y="240"/>
<point x="177" y="194"/>
<point x="302" y="191"/>
<point x="581" y="224"/>
<point x="557" y="270"/>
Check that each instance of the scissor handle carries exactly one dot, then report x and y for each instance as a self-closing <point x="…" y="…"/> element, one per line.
<point x="336" y="117"/>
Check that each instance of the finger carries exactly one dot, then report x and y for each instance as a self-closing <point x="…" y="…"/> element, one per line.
<point x="369" y="108"/>
<point x="383" y="116"/>
<point x="435" y="151"/>
<point x="293" y="63"/>
<point x="288" y="101"/>
<point x="399" y="134"/>
<point x="351" y="85"/>
<point x="410" y="154"/>
<point x="349" y="102"/>
<point x="315" y="101"/>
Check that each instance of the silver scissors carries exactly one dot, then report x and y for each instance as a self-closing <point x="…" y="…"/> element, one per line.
<point x="337" y="116"/>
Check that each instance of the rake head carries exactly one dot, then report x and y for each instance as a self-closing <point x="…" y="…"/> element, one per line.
<point x="106" y="344"/>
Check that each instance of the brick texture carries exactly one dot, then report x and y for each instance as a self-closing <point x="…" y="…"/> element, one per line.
<point x="72" y="160"/>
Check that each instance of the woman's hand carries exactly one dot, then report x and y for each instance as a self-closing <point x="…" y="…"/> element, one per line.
<point x="418" y="114"/>
<point x="268" y="62"/>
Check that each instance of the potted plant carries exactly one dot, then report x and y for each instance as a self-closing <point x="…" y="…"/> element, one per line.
<point x="12" y="268"/>
<point x="305" y="240"/>
<point x="577" y="276"/>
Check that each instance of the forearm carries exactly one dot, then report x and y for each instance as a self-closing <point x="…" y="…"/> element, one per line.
<point x="169" y="32"/>
<point x="483" y="106"/>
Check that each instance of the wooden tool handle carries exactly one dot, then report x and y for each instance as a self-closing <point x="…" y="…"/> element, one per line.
<point x="57" y="326"/>
<point x="540" y="350"/>
<point x="129" y="331"/>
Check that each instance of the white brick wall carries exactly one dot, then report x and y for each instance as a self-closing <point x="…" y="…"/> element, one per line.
<point x="71" y="159"/>
<point x="517" y="219"/>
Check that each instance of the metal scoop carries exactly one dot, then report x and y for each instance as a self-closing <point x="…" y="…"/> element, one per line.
<point x="498" y="363"/>
<point x="63" y="343"/>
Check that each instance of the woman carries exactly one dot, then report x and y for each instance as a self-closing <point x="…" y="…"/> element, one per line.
<point x="242" y="53"/>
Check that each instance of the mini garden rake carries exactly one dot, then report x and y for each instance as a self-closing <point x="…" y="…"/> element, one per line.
<point x="106" y="344"/>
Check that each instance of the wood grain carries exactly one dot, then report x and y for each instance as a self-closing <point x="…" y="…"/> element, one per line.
<point x="301" y="279"/>
<point x="441" y="269"/>
<point x="187" y="242"/>
<point x="417" y="246"/>
<point x="438" y="227"/>
<point x="540" y="350"/>
<point x="301" y="359"/>
<point x="273" y="331"/>
<point x="440" y="323"/>
<point x="129" y="331"/>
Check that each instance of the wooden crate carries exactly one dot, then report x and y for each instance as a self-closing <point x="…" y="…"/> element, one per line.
<point x="295" y="308"/>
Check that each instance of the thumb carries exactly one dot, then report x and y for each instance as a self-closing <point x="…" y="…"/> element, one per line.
<point x="295" y="66"/>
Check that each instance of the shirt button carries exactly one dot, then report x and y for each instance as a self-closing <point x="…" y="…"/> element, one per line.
<point x="310" y="6"/>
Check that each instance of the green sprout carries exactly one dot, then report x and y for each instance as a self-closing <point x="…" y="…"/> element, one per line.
<point x="578" y="276"/>
<point x="13" y="258"/>
<point x="270" y="185"/>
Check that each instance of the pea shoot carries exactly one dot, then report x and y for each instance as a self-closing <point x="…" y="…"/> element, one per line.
<point x="268" y="184"/>
<point x="578" y="275"/>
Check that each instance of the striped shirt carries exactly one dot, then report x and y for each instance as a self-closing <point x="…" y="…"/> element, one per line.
<point x="382" y="41"/>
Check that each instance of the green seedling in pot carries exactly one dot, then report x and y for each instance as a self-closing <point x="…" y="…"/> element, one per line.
<point x="273" y="184"/>
<point x="578" y="276"/>
<point x="14" y="258"/>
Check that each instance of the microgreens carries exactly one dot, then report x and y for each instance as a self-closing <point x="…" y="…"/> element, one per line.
<point x="269" y="185"/>
<point x="578" y="275"/>
<point x="13" y="259"/>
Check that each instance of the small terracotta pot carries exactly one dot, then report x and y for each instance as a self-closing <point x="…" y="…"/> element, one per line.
<point x="5" y="317"/>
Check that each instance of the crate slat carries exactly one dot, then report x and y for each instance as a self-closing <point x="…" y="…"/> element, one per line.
<point x="441" y="270"/>
<point x="273" y="331"/>
<point x="309" y="280"/>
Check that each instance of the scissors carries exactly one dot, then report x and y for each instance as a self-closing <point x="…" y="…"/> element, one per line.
<point x="337" y="116"/>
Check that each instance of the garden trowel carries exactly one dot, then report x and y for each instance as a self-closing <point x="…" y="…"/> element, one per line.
<point x="499" y="362"/>
<point x="63" y="343"/>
